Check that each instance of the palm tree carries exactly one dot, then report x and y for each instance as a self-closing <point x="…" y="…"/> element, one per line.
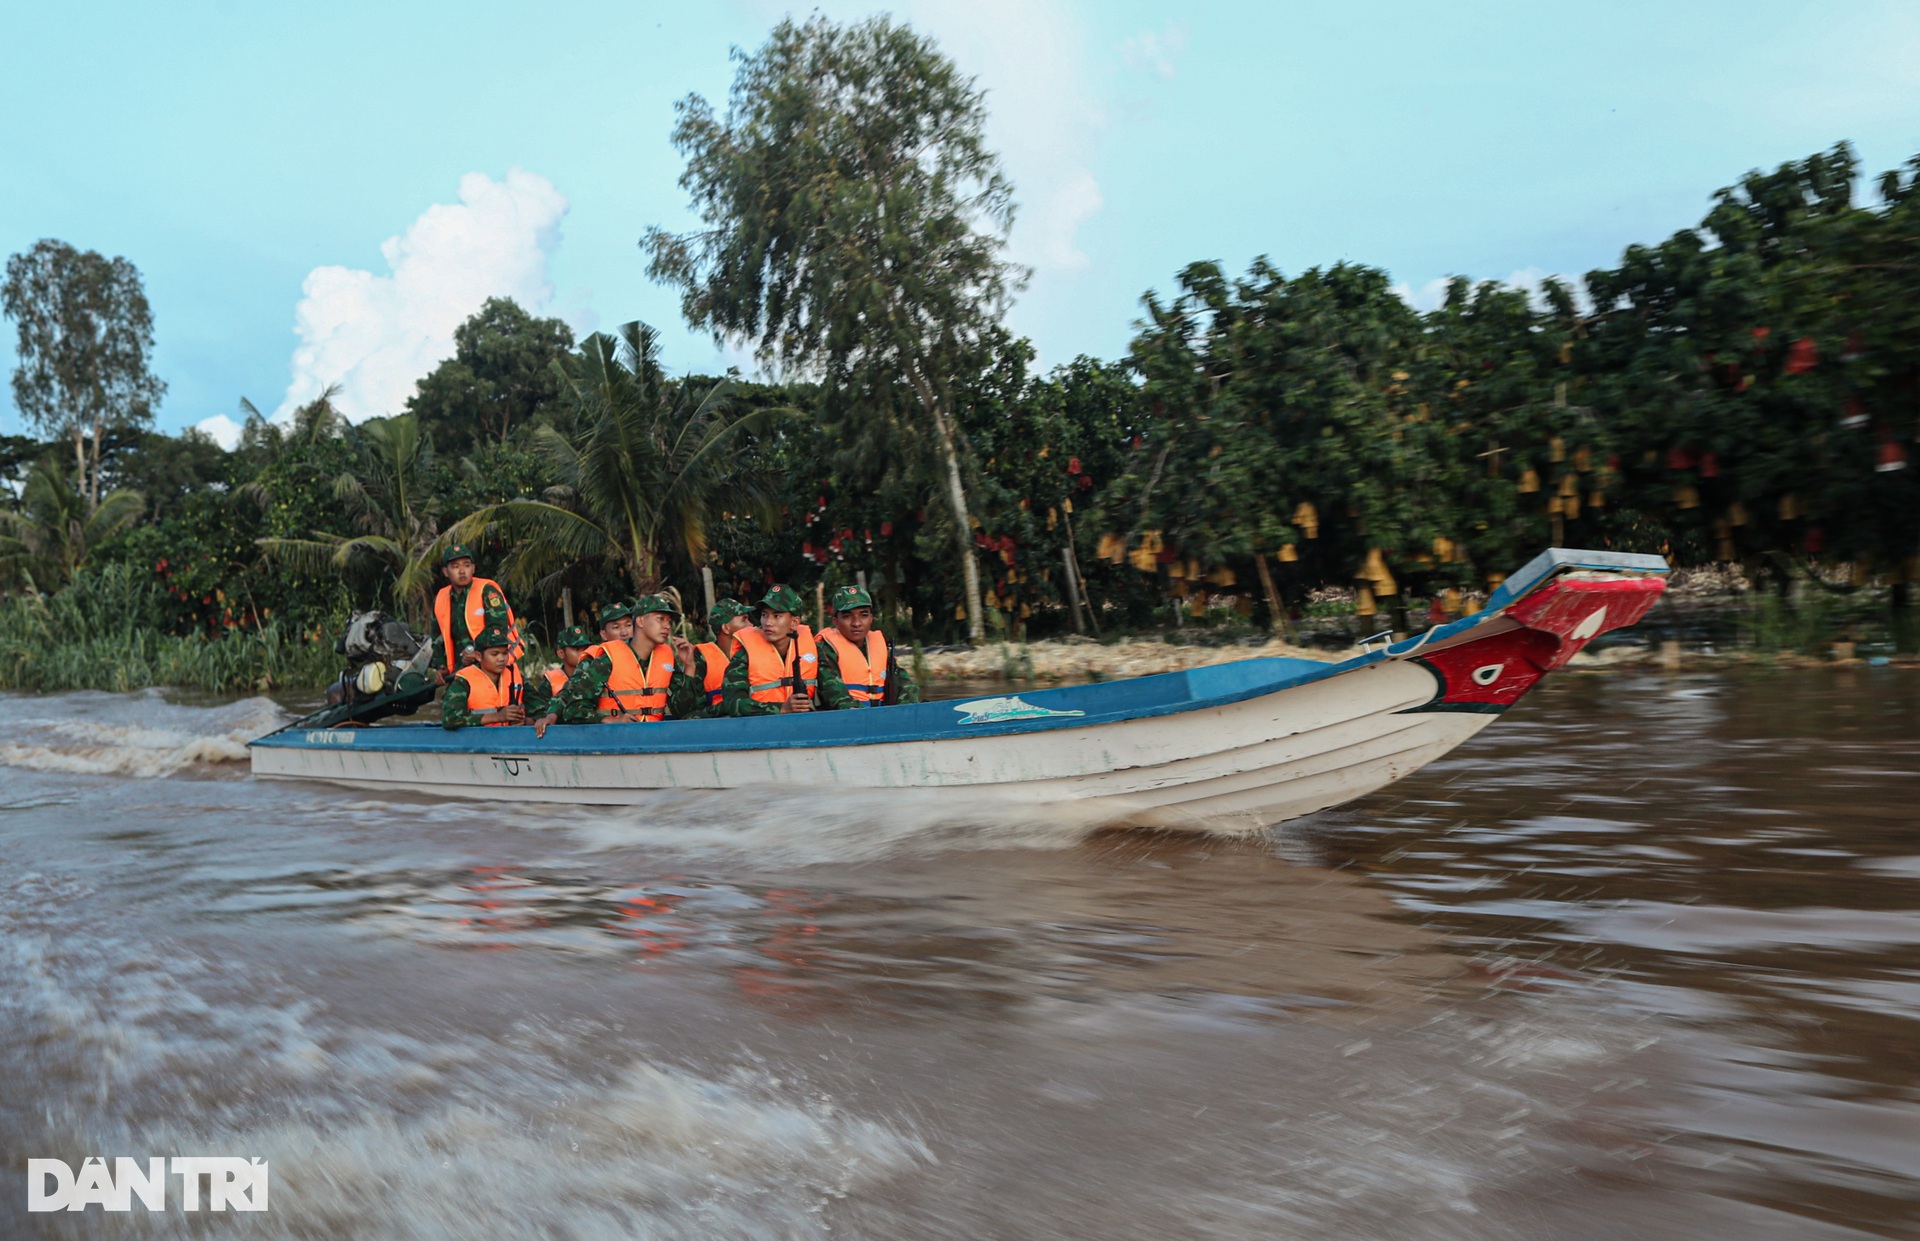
<point x="642" y="477"/>
<point x="398" y="533"/>
<point x="49" y="536"/>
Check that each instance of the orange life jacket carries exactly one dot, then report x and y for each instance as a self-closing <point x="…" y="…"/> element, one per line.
<point x="865" y="672"/>
<point x="484" y="695"/>
<point x="771" y="678"/>
<point x="633" y="688"/>
<point x="716" y="670"/>
<point x="476" y="617"/>
<point x="556" y="679"/>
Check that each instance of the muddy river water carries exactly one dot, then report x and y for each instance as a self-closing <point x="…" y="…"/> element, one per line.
<point x="1642" y="960"/>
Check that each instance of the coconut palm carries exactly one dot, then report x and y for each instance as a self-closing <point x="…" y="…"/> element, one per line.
<point x="648" y="467"/>
<point x="46" y="539"/>
<point x="399" y="536"/>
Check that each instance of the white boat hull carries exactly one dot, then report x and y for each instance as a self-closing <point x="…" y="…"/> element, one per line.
<point x="1261" y="742"/>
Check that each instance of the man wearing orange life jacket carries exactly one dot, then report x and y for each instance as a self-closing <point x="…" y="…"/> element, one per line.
<point x="709" y="665"/>
<point x="487" y="692"/>
<point x="641" y="680"/>
<point x="571" y="646"/>
<point x="464" y="607"/>
<point x="857" y="669"/>
<point x="776" y="668"/>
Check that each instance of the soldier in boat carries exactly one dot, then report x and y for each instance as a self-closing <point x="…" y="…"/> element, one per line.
<point x="463" y="608"/>
<point x="571" y="646"/>
<point x="776" y="669"/>
<point x="640" y="680"/>
<point x="709" y="664"/>
<point x="487" y="691"/>
<point x="616" y="622"/>
<point x="857" y="666"/>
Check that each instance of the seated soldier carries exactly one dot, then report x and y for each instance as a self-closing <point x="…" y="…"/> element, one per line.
<point x="635" y="681"/>
<point x="487" y="692"/>
<point x="857" y="667"/>
<point x="571" y="646"/>
<point x="709" y="665"/>
<point x="776" y="668"/>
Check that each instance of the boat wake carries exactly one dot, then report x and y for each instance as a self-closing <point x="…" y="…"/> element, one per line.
<point x="142" y="735"/>
<point x="802" y="826"/>
<point x="381" y="1133"/>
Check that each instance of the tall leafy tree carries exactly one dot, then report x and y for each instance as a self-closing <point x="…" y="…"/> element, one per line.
<point x="855" y="224"/>
<point x="500" y="376"/>
<point x="85" y="336"/>
<point x="647" y="472"/>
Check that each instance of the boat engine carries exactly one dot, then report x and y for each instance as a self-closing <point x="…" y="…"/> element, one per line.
<point x="386" y="671"/>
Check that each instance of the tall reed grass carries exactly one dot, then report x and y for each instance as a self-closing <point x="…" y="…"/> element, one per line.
<point x="101" y="632"/>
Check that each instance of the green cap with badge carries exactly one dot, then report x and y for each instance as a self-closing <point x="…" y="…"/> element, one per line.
<point x="656" y="603"/>
<point x="574" y="636"/>
<point x="725" y="610"/>
<point x="455" y="551"/>
<point x="614" y="612"/>
<point x="781" y="599"/>
<point x="847" y="598"/>
<point x="491" y="636"/>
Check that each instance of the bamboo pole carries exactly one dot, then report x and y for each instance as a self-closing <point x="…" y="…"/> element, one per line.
<point x="1282" y="623"/>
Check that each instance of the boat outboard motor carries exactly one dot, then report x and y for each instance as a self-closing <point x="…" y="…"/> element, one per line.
<point x="386" y="671"/>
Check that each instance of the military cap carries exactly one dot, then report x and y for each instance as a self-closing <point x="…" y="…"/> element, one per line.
<point x="726" y="610"/>
<point x="492" y="635"/>
<point x="613" y="612"/>
<point x="847" y="598"/>
<point x="574" y="636"/>
<point x="781" y="599"/>
<point x="455" y="551"/>
<point x="656" y="603"/>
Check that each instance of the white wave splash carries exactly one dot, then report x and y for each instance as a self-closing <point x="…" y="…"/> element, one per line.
<point x="137" y="735"/>
<point x="371" y="1133"/>
<point x="801" y="826"/>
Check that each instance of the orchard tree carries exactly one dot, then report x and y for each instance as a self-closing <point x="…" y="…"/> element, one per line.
<point x="85" y="336"/>
<point x="854" y="227"/>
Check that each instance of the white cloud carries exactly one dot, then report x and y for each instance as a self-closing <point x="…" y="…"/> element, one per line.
<point x="1155" y="52"/>
<point x="376" y="335"/>
<point x="221" y="429"/>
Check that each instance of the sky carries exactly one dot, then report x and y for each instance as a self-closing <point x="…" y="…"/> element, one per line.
<point x="318" y="193"/>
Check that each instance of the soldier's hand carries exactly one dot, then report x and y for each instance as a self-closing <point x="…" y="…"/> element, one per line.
<point x="541" y="725"/>
<point x="799" y="702"/>
<point x="513" y="713"/>
<point x="682" y="652"/>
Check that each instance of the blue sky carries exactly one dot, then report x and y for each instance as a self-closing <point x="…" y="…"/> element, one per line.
<point x="253" y="160"/>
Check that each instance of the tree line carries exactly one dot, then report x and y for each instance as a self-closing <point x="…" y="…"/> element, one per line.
<point x="1744" y="392"/>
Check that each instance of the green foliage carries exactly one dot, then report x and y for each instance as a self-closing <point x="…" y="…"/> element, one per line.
<point x="53" y="531"/>
<point x="500" y="378"/>
<point x="85" y="335"/>
<point x="642" y="479"/>
<point x="99" y="634"/>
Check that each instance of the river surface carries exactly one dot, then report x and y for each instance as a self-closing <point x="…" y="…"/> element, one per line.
<point x="1642" y="960"/>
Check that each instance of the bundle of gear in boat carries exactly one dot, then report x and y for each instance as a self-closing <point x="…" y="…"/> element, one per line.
<point x="637" y="667"/>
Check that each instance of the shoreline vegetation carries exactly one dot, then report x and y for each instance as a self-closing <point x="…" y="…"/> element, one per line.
<point x="1302" y="457"/>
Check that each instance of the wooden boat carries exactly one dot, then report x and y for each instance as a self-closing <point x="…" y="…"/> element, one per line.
<point x="1263" y="740"/>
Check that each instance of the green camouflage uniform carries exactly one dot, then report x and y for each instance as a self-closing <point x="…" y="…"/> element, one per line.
<point x="495" y="605"/>
<point x="736" y="692"/>
<point x="578" y="702"/>
<point x="454" y="711"/>
<point x="834" y="695"/>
